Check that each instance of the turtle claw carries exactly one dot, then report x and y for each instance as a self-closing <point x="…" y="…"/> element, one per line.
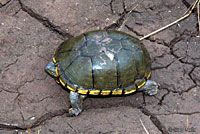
<point x="151" y="92"/>
<point x="74" y="111"/>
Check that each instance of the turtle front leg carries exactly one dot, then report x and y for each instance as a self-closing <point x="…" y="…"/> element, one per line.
<point x="150" y="87"/>
<point x="76" y="101"/>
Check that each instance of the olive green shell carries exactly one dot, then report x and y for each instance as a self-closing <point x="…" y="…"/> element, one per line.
<point x="102" y="62"/>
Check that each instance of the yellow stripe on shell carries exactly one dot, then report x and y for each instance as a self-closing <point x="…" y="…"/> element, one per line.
<point x="94" y="92"/>
<point x="82" y="91"/>
<point x="139" y="86"/>
<point x="129" y="91"/>
<point x="62" y="82"/>
<point x="143" y="83"/>
<point x="54" y="60"/>
<point x="148" y="76"/>
<point x="57" y="81"/>
<point x="105" y="92"/>
<point x="117" y="92"/>
<point x="57" y="72"/>
<point x="70" y="88"/>
<point x="55" y="52"/>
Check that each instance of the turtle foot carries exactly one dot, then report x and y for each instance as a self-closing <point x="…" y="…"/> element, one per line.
<point x="74" y="111"/>
<point x="151" y="88"/>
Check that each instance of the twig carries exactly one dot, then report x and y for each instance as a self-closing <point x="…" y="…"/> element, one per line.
<point x="29" y="129"/>
<point x="144" y="127"/>
<point x="39" y="129"/>
<point x="187" y="123"/>
<point x="198" y="15"/>
<point x="186" y="15"/>
<point x="189" y="8"/>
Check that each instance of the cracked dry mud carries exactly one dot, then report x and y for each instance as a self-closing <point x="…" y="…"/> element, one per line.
<point x="31" y="102"/>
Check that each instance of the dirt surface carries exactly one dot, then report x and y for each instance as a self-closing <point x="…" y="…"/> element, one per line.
<point x="32" y="102"/>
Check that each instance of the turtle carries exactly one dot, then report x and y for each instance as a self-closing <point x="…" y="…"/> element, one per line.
<point x="104" y="63"/>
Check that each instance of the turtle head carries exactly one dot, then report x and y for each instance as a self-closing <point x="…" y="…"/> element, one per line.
<point x="51" y="69"/>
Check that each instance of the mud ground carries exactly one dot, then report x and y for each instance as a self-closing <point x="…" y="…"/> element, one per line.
<point x="31" y="102"/>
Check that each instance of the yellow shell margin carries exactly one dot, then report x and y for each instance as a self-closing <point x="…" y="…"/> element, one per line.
<point x="117" y="92"/>
<point x="129" y="91"/>
<point x="54" y="60"/>
<point x="57" y="72"/>
<point x="70" y="88"/>
<point x="139" y="86"/>
<point x="105" y="92"/>
<point x="94" y="92"/>
<point x="97" y="92"/>
<point x="82" y="91"/>
<point x="142" y="84"/>
<point x="62" y="82"/>
<point x="148" y="76"/>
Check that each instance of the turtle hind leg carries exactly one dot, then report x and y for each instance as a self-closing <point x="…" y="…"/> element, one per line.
<point x="76" y="101"/>
<point x="150" y="88"/>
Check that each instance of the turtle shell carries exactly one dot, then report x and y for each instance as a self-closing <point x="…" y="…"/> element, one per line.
<point x="102" y="62"/>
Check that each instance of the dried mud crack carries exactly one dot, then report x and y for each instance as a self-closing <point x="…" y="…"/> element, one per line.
<point x="46" y="22"/>
<point x="132" y="30"/>
<point x="4" y="4"/>
<point x="163" y="97"/>
<point x="194" y="81"/>
<point x="38" y="122"/>
<point x="11" y="127"/>
<point x="120" y="21"/>
<point x="185" y="34"/>
<point x="181" y="113"/>
<point x="154" y="120"/>
<point x="171" y="45"/>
